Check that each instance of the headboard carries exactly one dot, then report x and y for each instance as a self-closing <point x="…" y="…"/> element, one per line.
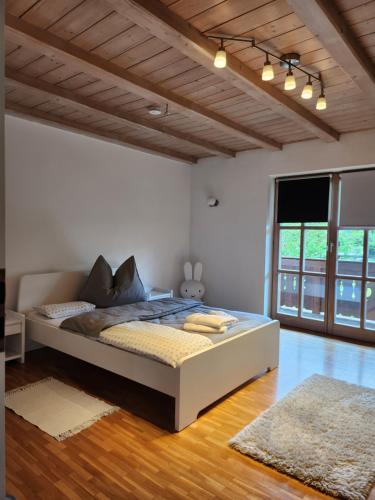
<point x="52" y="288"/>
<point x="49" y="288"/>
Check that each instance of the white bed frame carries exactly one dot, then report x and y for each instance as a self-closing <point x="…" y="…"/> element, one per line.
<point x="200" y="380"/>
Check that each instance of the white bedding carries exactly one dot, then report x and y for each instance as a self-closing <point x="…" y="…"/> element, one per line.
<point x="160" y="342"/>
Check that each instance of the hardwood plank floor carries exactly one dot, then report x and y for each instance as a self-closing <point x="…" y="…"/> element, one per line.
<point x="124" y="456"/>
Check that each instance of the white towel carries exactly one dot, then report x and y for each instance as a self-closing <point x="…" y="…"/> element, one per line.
<point x="193" y="327"/>
<point x="215" y="321"/>
<point x="218" y="312"/>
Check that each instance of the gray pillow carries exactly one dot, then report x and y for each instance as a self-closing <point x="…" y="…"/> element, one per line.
<point x="105" y="290"/>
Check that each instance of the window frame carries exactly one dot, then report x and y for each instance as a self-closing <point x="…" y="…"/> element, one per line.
<point x="328" y="326"/>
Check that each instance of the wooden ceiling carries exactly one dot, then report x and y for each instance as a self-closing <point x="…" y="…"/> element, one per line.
<point x="96" y="65"/>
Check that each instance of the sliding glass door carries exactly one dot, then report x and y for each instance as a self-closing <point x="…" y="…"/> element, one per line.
<point x="301" y="274"/>
<point x="323" y="272"/>
<point x="354" y="300"/>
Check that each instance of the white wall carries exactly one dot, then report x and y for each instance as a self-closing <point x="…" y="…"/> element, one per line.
<point x="70" y="198"/>
<point x="233" y="239"/>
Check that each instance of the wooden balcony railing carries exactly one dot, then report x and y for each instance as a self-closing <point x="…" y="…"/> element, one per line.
<point x="348" y="295"/>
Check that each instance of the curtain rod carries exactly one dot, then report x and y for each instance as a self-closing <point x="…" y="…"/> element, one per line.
<point x="364" y="169"/>
<point x="297" y="177"/>
<point x="323" y="174"/>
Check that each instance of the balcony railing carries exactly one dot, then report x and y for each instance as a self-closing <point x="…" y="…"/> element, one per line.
<point x="348" y="291"/>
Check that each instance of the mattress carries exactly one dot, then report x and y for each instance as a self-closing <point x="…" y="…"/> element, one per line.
<point x="42" y="319"/>
<point x="247" y="322"/>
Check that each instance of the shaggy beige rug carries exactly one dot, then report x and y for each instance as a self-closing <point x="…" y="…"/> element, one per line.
<point x="322" y="433"/>
<point x="56" y="408"/>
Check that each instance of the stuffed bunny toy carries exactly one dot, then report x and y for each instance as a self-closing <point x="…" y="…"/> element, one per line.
<point x="192" y="288"/>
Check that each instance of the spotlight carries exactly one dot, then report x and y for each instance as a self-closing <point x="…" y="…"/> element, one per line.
<point x="290" y="81"/>
<point x="154" y="110"/>
<point x="307" y="91"/>
<point x="267" y="73"/>
<point x="321" y="103"/>
<point x="221" y="56"/>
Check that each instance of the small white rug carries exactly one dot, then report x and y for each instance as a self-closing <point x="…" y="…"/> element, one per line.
<point x="56" y="408"/>
<point x="322" y="433"/>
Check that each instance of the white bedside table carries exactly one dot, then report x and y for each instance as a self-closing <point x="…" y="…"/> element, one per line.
<point x="14" y="336"/>
<point x="158" y="294"/>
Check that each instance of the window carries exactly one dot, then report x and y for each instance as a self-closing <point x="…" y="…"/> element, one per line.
<point x="323" y="271"/>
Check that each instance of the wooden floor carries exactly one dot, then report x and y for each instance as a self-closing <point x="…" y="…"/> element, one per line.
<point x="124" y="456"/>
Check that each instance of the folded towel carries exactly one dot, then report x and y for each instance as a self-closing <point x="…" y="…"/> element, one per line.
<point x="193" y="327"/>
<point x="218" y="312"/>
<point x="215" y="321"/>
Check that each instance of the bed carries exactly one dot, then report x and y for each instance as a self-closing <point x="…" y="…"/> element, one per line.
<point x="199" y="379"/>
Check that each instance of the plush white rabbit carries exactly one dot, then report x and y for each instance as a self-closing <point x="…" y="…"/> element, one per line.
<point x="192" y="288"/>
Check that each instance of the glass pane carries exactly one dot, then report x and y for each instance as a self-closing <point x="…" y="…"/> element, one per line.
<point x="371" y="254"/>
<point x="315" y="250"/>
<point x="313" y="297"/>
<point x="287" y="224"/>
<point x="348" y="302"/>
<point x="315" y="224"/>
<point x="350" y="252"/>
<point x="370" y="306"/>
<point x="288" y="292"/>
<point x="289" y="249"/>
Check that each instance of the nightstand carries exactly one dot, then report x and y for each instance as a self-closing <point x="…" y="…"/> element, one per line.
<point x="14" y="336"/>
<point x="158" y="294"/>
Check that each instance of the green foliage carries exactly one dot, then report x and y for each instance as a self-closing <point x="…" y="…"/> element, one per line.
<point x="350" y="244"/>
<point x="371" y="246"/>
<point x="290" y="243"/>
<point x="315" y="243"/>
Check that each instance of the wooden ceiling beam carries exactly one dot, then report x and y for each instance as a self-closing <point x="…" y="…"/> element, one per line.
<point x="329" y="26"/>
<point x="122" y="140"/>
<point x="61" y="95"/>
<point x="52" y="46"/>
<point x="157" y="19"/>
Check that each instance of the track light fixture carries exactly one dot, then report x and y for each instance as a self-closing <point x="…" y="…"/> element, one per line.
<point x="221" y="56"/>
<point x="267" y="73"/>
<point x="307" y="91"/>
<point x="290" y="60"/>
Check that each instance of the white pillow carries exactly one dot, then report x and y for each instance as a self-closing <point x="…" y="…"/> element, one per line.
<point x="66" y="309"/>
